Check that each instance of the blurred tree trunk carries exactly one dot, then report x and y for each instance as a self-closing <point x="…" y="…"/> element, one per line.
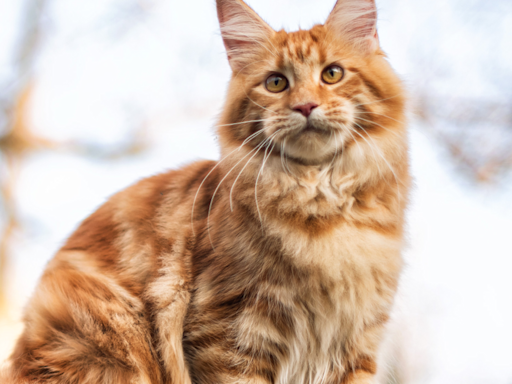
<point x="16" y="140"/>
<point x="476" y="134"/>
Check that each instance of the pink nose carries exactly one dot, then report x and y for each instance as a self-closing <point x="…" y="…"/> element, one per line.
<point x="305" y="109"/>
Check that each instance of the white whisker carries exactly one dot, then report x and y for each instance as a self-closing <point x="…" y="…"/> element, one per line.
<point x="257" y="103"/>
<point x="328" y="141"/>
<point x="286" y="159"/>
<point x="335" y="151"/>
<point x="385" y="161"/>
<point x="377" y="101"/>
<point x="245" y="122"/>
<point x="239" y="174"/>
<point x="371" y="147"/>
<point x="258" y="147"/>
<point x="373" y="122"/>
<point x="245" y="66"/>
<point x="282" y="157"/>
<point x="353" y="137"/>
<point x="379" y="114"/>
<point x="213" y="169"/>
<point x="249" y="138"/>
<point x="265" y="158"/>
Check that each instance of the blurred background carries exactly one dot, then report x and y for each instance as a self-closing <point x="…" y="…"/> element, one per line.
<point x="97" y="94"/>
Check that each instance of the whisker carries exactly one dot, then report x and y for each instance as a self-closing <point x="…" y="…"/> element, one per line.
<point x="378" y="101"/>
<point x="249" y="138"/>
<point x="287" y="163"/>
<point x="265" y="158"/>
<point x="335" y="152"/>
<point x="258" y="147"/>
<point x="253" y="40"/>
<point x="373" y="122"/>
<point x="213" y="169"/>
<point x="286" y="159"/>
<point x="251" y="63"/>
<point x="282" y="157"/>
<point x="353" y="137"/>
<point x="273" y="46"/>
<point x="371" y="147"/>
<point x="328" y="141"/>
<point x="257" y="103"/>
<point x="379" y="114"/>
<point x="201" y="185"/>
<point x="247" y="163"/>
<point x="387" y="163"/>
<point x="245" y="122"/>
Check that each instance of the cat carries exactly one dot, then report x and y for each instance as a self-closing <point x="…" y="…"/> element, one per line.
<point x="276" y="264"/>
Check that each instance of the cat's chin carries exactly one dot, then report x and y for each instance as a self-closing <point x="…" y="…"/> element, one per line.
<point x="312" y="156"/>
<point x="312" y="146"/>
<point x="312" y="130"/>
<point x="311" y="162"/>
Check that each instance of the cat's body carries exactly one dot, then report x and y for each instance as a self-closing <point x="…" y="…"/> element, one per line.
<point x="277" y="264"/>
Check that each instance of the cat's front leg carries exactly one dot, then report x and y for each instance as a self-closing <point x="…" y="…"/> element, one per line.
<point x="169" y="298"/>
<point x="362" y="365"/>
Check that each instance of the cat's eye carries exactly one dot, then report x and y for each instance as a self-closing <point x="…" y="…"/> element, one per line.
<point x="332" y="74"/>
<point x="276" y="83"/>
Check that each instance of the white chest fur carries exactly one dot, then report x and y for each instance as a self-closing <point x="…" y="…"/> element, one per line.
<point x="363" y="267"/>
<point x="360" y="266"/>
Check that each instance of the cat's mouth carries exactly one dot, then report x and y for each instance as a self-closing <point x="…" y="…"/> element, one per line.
<point x="312" y="129"/>
<point x="312" y="145"/>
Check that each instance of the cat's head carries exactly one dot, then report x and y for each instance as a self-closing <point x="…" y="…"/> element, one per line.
<point x="314" y="95"/>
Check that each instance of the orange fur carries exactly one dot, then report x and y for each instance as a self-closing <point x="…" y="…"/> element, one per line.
<point x="277" y="264"/>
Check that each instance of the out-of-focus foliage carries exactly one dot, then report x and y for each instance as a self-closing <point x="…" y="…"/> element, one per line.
<point x="463" y="86"/>
<point x="17" y="141"/>
<point x="476" y="134"/>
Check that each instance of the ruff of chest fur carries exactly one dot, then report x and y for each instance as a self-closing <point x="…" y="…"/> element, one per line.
<point x="359" y="264"/>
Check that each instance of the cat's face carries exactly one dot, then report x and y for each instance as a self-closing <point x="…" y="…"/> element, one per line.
<point x="308" y="94"/>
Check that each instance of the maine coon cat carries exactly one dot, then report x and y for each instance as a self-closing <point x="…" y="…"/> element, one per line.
<point x="276" y="264"/>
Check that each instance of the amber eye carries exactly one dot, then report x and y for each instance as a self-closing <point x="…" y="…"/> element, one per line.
<point x="276" y="83"/>
<point x="332" y="74"/>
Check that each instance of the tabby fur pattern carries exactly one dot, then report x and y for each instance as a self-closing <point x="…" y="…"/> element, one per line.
<point x="276" y="264"/>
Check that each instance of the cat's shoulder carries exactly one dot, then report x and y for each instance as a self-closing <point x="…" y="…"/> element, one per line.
<point x="132" y="214"/>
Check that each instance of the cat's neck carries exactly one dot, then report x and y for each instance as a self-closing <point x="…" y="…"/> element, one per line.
<point x="310" y="198"/>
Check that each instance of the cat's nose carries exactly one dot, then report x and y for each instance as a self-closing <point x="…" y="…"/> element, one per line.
<point x="305" y="109"/>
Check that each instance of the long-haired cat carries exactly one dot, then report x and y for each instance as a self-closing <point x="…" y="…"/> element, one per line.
<point x="276" y="264"/>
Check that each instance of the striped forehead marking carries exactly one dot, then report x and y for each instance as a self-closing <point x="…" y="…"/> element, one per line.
<point x="301" y="53"/>
<point x="302" y="47"/>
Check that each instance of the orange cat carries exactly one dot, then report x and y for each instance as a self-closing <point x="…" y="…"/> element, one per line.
<point x="276" y="264"/>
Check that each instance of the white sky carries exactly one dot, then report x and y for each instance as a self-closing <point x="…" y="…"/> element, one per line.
<point x="101" y="73"/>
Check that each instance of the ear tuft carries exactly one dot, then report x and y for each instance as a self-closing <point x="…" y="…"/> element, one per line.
<point x="356" y="21"/>
<point x="243" y="31"/>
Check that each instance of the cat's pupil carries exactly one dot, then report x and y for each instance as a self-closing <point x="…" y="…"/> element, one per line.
<point x="331" y="72"/>
<point x="277" y="82"/>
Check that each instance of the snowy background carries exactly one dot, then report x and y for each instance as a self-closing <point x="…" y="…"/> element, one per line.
<point x="117" y="90"/>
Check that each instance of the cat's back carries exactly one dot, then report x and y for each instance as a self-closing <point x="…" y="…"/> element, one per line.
<point x="93" y="305"/>
<point x="126" y="236"/>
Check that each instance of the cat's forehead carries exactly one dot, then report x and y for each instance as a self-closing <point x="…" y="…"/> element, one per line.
<point x="303" y="49"/>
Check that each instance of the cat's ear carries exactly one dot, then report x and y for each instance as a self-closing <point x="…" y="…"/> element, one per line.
<point x="243" y="32"/>
<point x="356" y="21"/>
